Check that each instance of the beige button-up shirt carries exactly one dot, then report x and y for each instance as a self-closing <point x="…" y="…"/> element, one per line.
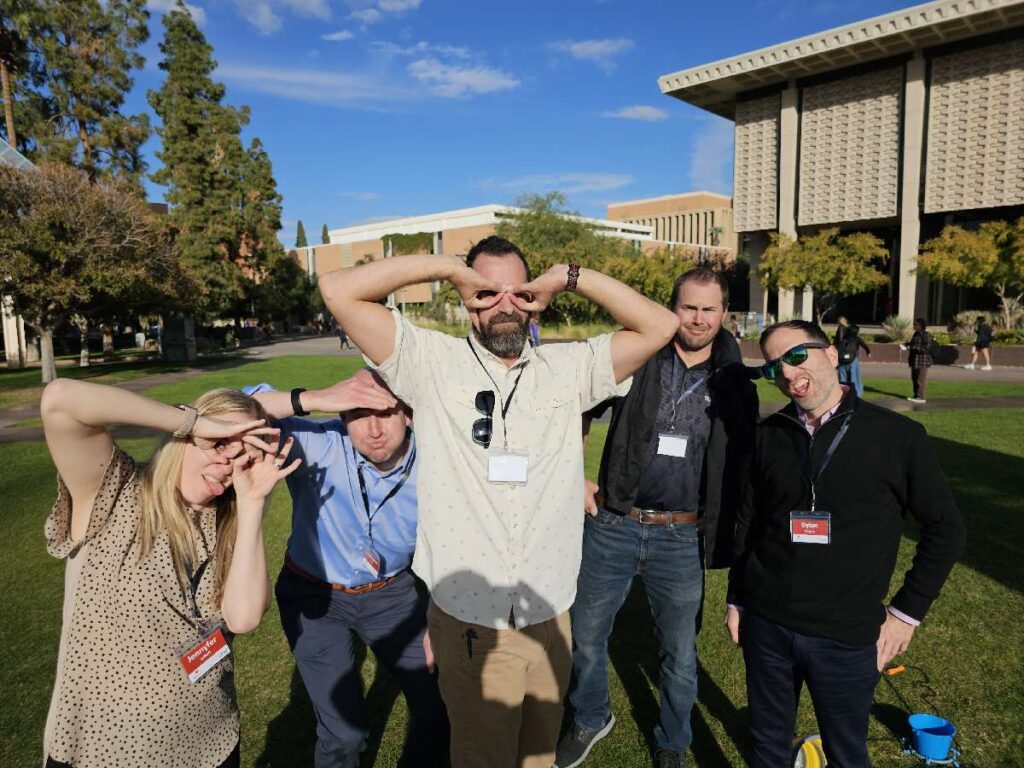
<point x="489" y="550"/>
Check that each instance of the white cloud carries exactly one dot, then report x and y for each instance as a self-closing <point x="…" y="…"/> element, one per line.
<point x="711" y="158"/>
<point x="569" y="183"/>
<point x="600" y="51"/>
<point x="421" y="48"/>
<point x="163" y="6"/>
<point x="339" y="36"/>
<point x="263" y="15"/>
<point x="364" y="196"/>
<point x="639" y="112"/>
<point x="399" y="6"/>
<point x="367" y="15"/>
<point x="453" y="81"/>
<point x="316" y="86"/>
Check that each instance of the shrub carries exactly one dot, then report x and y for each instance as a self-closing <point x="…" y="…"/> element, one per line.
<point x="898" y="329"/>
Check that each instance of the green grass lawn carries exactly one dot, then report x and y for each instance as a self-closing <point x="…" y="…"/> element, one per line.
<point x="879" y="389"/>
<point x="969" y="647"/>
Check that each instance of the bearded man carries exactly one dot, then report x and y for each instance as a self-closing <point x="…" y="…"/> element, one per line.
<point x="669" y="478"/>
<point x="499" y="430"/>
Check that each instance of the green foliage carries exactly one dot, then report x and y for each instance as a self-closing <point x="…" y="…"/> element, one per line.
<point x="832" y="265"/>
<point x="991" y="256"/>
<point x="87" y="51"/>
<point x="300" y="235"/>
<point x="325" y="236"/>
<point x="549" y="234"/>
<point x="403" y="245"/>
<point x="898" y="329"/>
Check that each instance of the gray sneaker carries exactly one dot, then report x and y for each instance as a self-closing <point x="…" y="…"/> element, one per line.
<point x="666" y="758"/>
<point x="577" y="743"/>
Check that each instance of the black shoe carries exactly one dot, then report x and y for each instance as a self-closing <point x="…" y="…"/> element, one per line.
<point x="666" y="758"/>
<point x="577" y="743"/>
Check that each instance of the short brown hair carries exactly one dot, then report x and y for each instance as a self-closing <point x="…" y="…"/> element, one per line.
<point x="813" y="330"/>
<point x="702" y="275"/>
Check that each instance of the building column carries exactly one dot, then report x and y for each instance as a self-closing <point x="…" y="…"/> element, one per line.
<point x="14" y="335"/>
<point x="789" y="128"/>
<point x="913" y="297"/>
<point x="757" y="243"/>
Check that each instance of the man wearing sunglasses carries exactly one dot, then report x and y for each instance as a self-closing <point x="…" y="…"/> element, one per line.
<point x="831" y="482"/>
<point x="672" y="460"/>
<point x="499" y="432"/>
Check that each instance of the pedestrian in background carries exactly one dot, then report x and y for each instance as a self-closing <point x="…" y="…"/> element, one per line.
<point x="982" y="344"/>
<point x="849" y="343"/>
<point x="921" y="346"/>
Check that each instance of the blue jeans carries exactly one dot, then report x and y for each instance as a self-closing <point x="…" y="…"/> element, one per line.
<point x="322" y="625"/>
<point x="668" y="559"/>
<point x="849" y="373"/>
<point x="840" y="678"/>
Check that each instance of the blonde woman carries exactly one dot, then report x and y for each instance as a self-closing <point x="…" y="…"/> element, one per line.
<point x="165" y="563"/>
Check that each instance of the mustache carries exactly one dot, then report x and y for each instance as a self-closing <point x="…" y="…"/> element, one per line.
<point x="506" y="317"/>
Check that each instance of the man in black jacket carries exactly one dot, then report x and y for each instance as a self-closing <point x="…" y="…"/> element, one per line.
<point x="831" y="481"/>
<point x="671" y="467"/>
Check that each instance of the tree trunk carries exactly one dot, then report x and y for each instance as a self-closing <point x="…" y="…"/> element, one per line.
<point x="49" y="367"/>
<point x="83" y="340"/>
<point x="5" y="84"/>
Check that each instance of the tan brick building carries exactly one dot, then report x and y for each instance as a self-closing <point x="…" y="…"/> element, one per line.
<point x="451" y="232"/>
<point x="691" y="218"/>
<point x="897" y="125"/>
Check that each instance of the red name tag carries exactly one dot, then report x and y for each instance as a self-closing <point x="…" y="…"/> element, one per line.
<point x="204" y="655"/>
<point x="810" y="527"/>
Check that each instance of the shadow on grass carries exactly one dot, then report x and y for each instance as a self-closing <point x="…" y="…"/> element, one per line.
<point x="885" y="392"/>
<point x="987" y="487"/>
<point x="633" y="652"/>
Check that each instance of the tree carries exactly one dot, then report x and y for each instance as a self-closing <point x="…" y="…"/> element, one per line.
<point x="300" y="235"/>
<point x="87" y="51"/>
<point x="325" y="236"/>
<point x="71" y="247"/>
<point x="832" y="265"/>
<point x="203" y="158"/>
<point x="991" y="256"/>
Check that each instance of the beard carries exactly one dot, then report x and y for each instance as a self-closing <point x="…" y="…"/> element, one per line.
<point x="504" y="335"/>
<point x="694" y="341"/>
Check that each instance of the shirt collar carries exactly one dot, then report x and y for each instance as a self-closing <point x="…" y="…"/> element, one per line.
<point x="805" y="420"/>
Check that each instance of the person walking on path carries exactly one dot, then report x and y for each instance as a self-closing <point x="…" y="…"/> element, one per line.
<point x="165" y="565"/>
<point x="921" y="347"/>
<point x="346" y="569"/>
<point x="849" y="344"/>
<point x="831" y="482"/>
<point x="675" y="448"/>
<point x="500" y="435"/>
<point x="982" y="345"/>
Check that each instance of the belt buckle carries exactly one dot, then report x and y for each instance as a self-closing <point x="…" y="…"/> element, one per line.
<point x="646" y="515"/>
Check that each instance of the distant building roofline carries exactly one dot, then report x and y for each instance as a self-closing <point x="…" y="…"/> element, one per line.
<point x="714" y="86"/>
<point x="670" y="197"/>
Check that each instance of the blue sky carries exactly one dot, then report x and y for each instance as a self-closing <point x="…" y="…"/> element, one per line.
<point x="378" y="108"/>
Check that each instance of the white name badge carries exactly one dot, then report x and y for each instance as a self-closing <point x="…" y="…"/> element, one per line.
<point x="507" y="468"/>
<point x="672" y="445"/>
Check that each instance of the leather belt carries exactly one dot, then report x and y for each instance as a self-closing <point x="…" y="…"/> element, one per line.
<point x="650" y="517"/>
<point x="362" y="589"/>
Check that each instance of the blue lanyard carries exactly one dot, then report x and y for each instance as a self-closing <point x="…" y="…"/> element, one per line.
<point x="687" y="392"/>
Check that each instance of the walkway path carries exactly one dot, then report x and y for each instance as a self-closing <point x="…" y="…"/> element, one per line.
<point x="328" y="345"/>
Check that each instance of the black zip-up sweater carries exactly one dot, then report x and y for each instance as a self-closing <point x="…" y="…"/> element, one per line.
<point x="883" y="469"/>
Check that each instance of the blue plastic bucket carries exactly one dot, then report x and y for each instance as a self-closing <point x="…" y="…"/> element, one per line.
<point x="931" y="736"/>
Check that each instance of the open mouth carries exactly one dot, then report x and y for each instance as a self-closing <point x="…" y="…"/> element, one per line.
<point x="215" y="486"/>
<point x="800" y="387"/>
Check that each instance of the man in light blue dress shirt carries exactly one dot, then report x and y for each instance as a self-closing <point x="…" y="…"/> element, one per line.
<point x="346" y="571"/>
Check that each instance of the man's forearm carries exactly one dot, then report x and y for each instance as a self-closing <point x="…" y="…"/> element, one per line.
<point x="278" y="405"/>
<point x="375" y="280"/>
<point x="630" y="309"/>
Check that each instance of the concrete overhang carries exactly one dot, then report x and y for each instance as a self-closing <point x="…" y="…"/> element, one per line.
<point x="714" y="87"/>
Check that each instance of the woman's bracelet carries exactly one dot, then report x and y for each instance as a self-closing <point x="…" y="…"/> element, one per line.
<point x="191" y="416"/>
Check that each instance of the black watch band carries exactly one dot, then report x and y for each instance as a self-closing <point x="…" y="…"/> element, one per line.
<point x="297" y="402"/>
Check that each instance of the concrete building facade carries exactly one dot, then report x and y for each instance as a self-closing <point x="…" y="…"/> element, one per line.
<point x="690" y="218"/>
<point x="897" y="125"/>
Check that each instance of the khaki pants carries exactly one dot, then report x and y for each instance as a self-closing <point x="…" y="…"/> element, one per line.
<point x="503" y="689"/>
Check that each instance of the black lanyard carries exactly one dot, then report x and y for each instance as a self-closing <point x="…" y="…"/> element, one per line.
<point x="828" y="457"/>
<point x="508" y="402"/>
<point x="390" y="494"/>
<point x="192" y="588"/>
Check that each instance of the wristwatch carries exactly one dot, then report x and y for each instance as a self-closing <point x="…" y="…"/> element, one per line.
<point x="297" y="402"/>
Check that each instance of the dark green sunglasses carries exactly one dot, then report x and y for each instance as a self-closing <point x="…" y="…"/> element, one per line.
<point x="795" y="356"/>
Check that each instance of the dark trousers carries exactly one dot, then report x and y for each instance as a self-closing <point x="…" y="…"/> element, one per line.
<point x="322" y="625"/>
<point x="919" y="378"/>
<point x="840" y="678"/>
